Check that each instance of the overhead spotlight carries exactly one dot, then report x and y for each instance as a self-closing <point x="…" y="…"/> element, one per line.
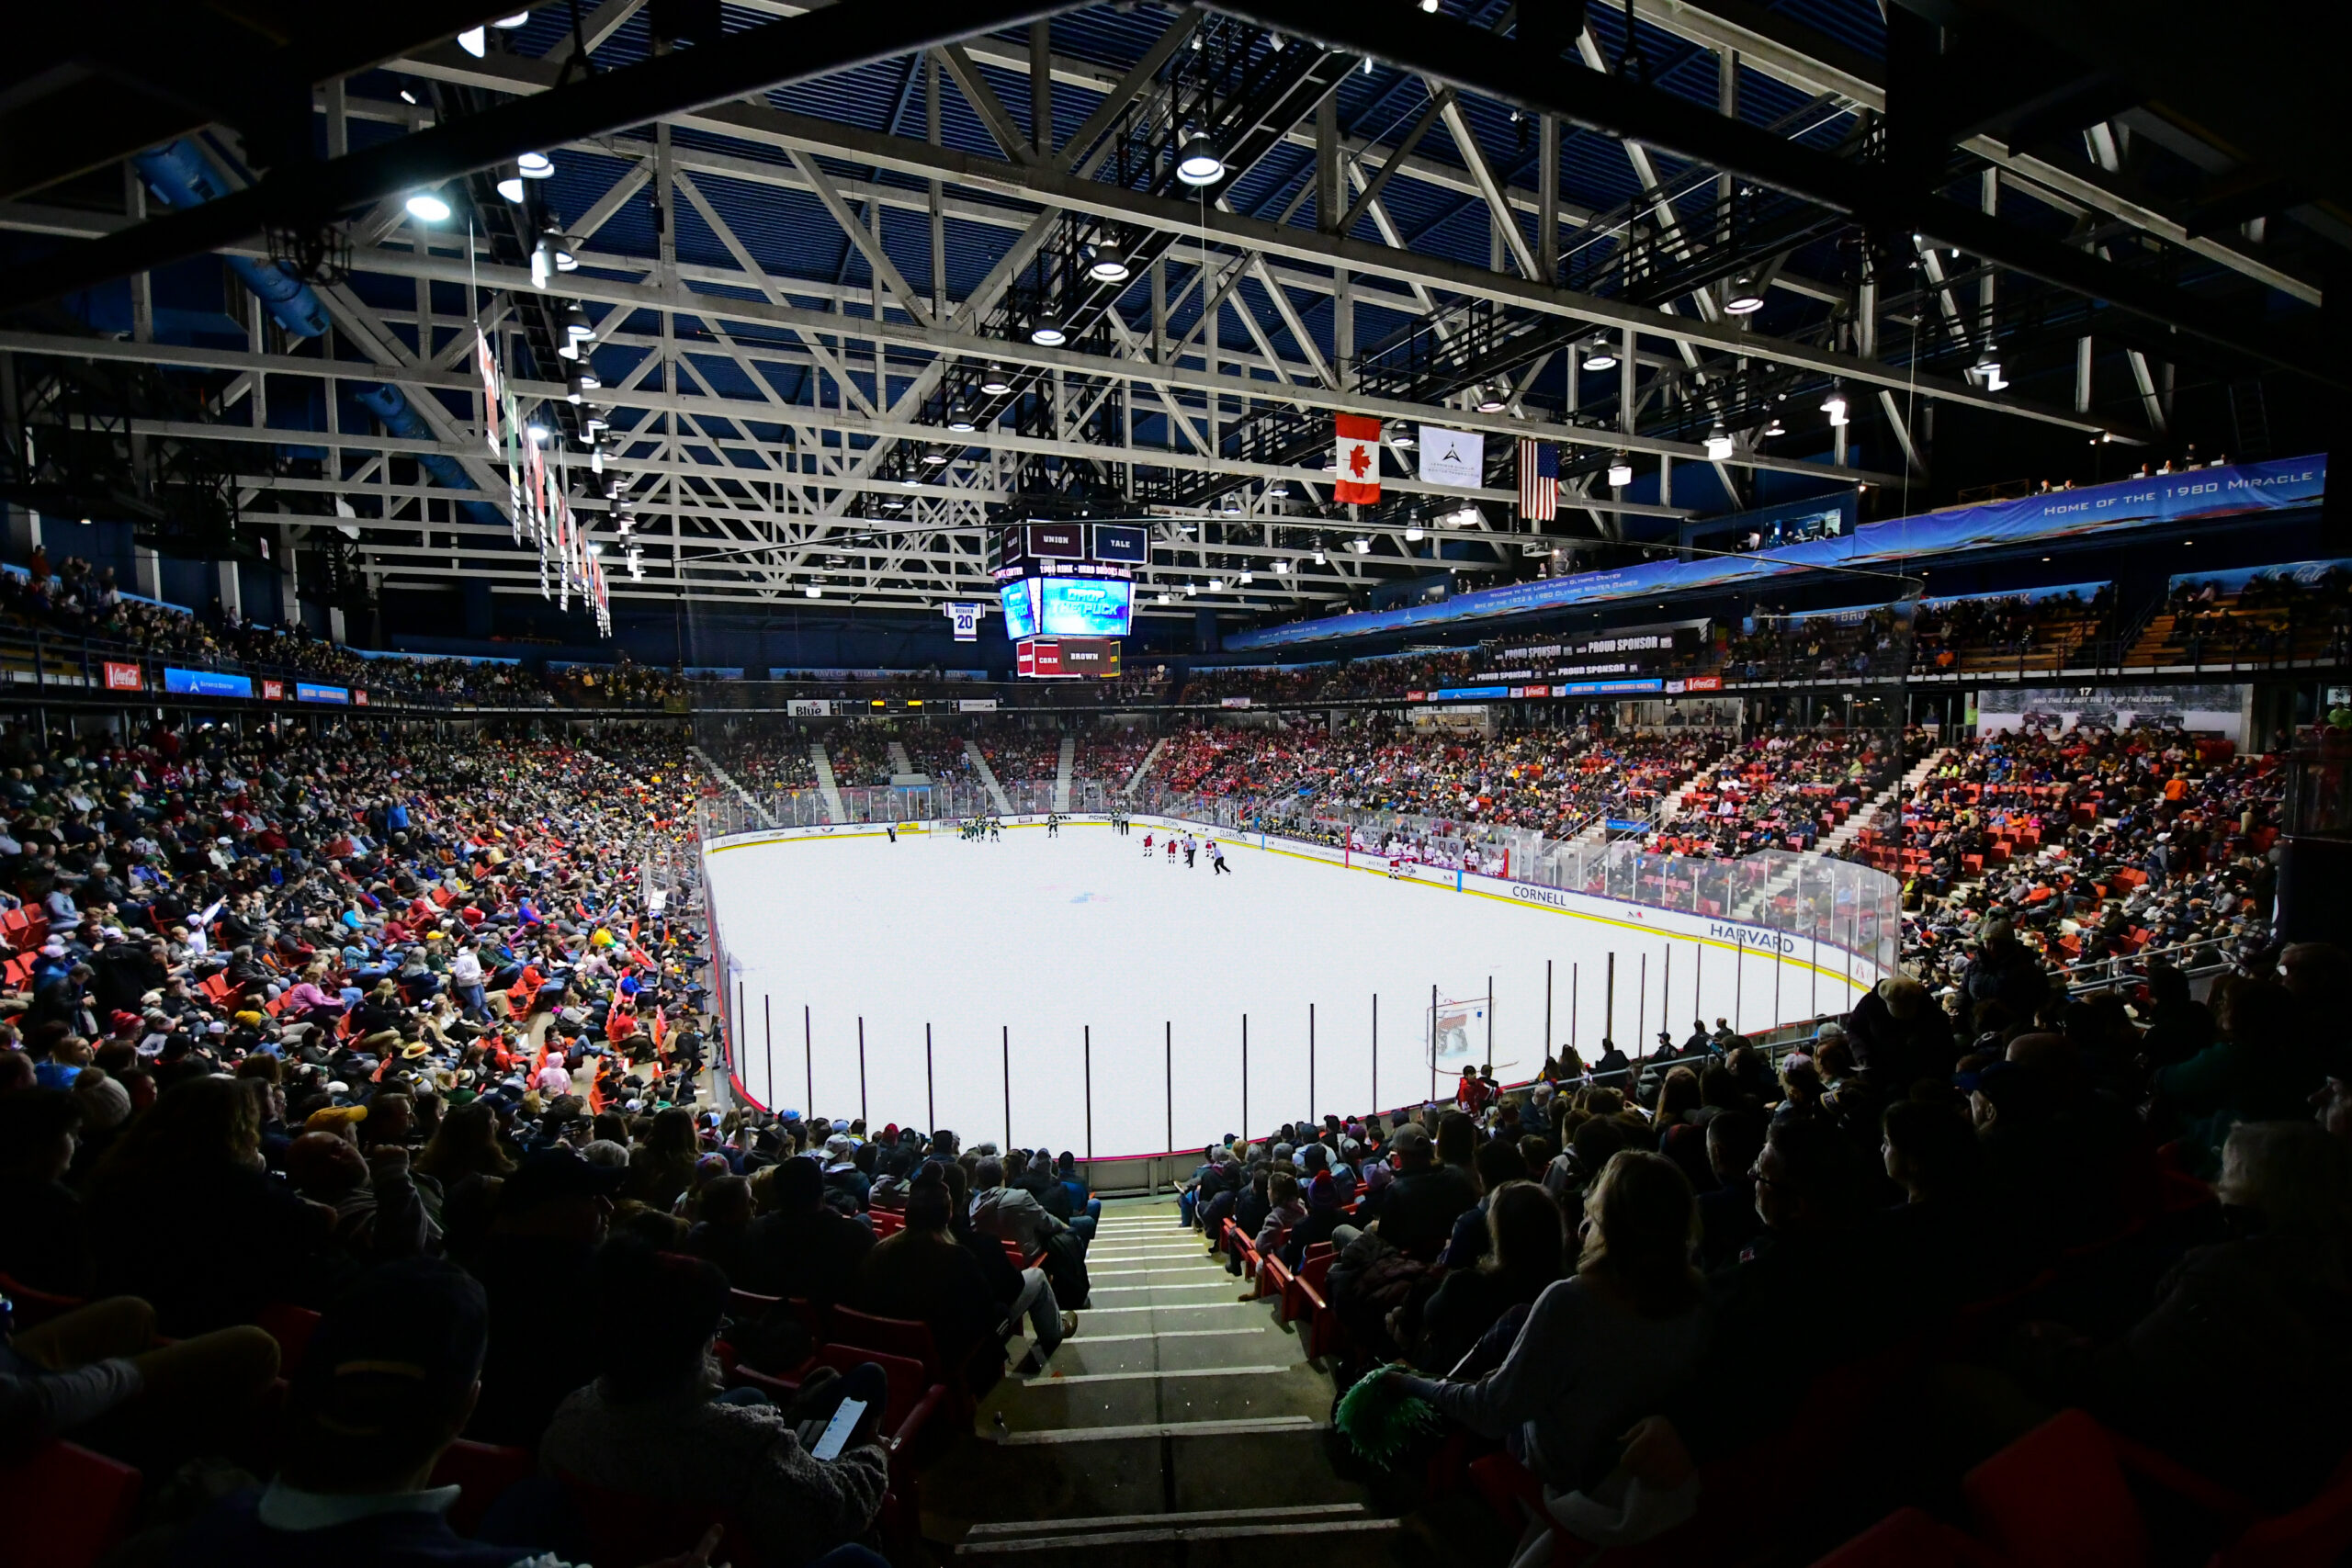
<point x="1247" y="578"/>
<point x="1491" y="400"/>
<point x="1621" y="471"/>
<point x="1599" y="355"/>
<point x="1834" y="405"/>
<point x="595" y="547"/>
<point x="1718" y="444"/>
<point x="543" y="262"/>
<point x="510" y="184"/>
<point x="1988" y="371"/>
<point x="1463" y="516"/>
<point x="567" y="258"/>
<point x="1322" y="559"/>
<point x="1278" y="490"/>
<point x="1413" y="534"/>
<point x="583" y="381"/>
<point x="1046" y="332"/>
<point x="534" y="165"/>
<point x="1776" y="427"/>
<point x="932" y="457"/>
<point x="1402" y="436"/>
<point x="1361" y="546"/>
<point x="959" y="420"/>
<point x="1201" y="163"/>
<point x="1217" y="585"/>
<point x="1110" y="264"/>
<point x="815" y="590"/>
<point x="1744" y="297"/>
<point x="993" y="381"/>
<point x="594" y="418"/>
<point x="474" y="41"/>
<point x="428" y="207"/>
<point x="1430" y="5"/>
<point x="576" y="324"/>
<point x="912" y="481"/>
<point x="1282" y="568"/>
<point x="408" y="97"/>
<point x="510" y="23"/>
<point x="537" y="431"/>
<point x="1192" y="591"/>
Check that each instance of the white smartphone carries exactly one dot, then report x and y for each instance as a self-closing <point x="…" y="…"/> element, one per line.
<point x="835" y="1436"/>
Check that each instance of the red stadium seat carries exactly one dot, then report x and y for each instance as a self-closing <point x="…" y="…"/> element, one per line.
<point x="482" y="1472"/>
<point x="65" y="1507"/>
<point x="1912" y="1538"/>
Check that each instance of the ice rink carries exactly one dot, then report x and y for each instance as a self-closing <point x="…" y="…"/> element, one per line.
<point x="1006" y="957"/>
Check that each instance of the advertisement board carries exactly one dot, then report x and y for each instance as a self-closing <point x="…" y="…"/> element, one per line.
<point x="206" y="684"/>
<point x="122" y="676"/>
<point x="273" y="691"/>
<point x="808" y="707"/>
<point x="1080" y="606"/>
<point x="312" y="692"/>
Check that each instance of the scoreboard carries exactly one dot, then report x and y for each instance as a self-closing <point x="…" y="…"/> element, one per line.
<point x="1069" y="589"/>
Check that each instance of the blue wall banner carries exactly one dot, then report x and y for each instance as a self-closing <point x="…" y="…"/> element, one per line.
<point x="1877" y="547"/>
<point x="306" y="692"/>
<point x="2302" y="573"/>
<point x="206" y="684"/>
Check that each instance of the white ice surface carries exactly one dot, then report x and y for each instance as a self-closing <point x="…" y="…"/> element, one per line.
<point x="1041" y="940"/>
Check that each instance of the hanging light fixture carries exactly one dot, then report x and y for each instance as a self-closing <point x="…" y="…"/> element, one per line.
<point x="1413" y="534"/>
<point x="1599" y="355"/>
<point x="543" y="262"/>
<point x="1047" y="331"/>
<point x="583" y="381"/>
<point x="1282" y="568"/>
<point x="428" y="207"/>
<point x="577" y="329"/>
<point x="1621" y="471"/>
<point x="815" y="590"/>
<point x="1834" y="405"/>
<point x="1361" y="546"/>
<point x="1402" y="436"/>
<point x="1742" y="297"/>
<point x="1320" y="558"/>
<point x="993" y="381"/>
<point x="1110" y="264"/>
<point x="510" y="184"/>
<point x="508" y="24"/>
<point x="1491" y="400"/>
<point x="533" y="166"/>
<point x="959" y="420"/>
<point x="537" y="431"/>
<point x="1247" y="578"/>
<point x="1217" y="585"/>
<point x="1201" y="163"/>
<point x="1718" y="443"/>
<point x="474" y="41"/>
<point x="1988" y="371"/>
<point x="1278" y="490"/>
<point x="932" y="457"/>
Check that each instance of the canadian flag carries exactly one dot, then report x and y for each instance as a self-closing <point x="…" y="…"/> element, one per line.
<point x="1356" y="460"/>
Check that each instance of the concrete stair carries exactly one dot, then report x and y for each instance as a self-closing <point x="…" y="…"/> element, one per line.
<point x="828" y="789"/>
<point x="1143" y="769"/>
<point x="987" y="776"/>
<point x="900" y="763"/>
<point x="1181" y="1424"/>
<point x="1877" y="806"/>
<point x="727" y="781"/>
<point x="1063" y="766"/>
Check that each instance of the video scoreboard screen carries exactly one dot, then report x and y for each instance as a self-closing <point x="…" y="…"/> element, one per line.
<point x="1069" y="580"/>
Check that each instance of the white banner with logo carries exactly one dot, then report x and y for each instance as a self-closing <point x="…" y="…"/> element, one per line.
<point x="1453" y="458"/>
<point x="808" y="707"/>
<point x="976" y="705"/>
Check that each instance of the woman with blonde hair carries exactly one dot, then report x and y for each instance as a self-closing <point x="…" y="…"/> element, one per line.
<point x="1603" y="1347"/>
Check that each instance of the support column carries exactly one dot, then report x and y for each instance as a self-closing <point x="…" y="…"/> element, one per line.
<point x="1041" y="87"/>
<point x="1547" y="209"/>
<point x="231" y="592"/>
<point x="146" y="572"/>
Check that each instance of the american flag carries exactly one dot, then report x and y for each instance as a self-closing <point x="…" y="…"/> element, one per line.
<point x="1539" y="480"/>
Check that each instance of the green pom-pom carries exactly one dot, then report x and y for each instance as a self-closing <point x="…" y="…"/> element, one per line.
<point x="1379" y="1419"/>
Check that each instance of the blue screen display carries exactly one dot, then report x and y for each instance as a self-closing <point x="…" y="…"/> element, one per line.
<point x="1019" y="600"/>
<point x="206" y="684"/>
<point x="305" y="692"/>
<point x="1086" y="606"/>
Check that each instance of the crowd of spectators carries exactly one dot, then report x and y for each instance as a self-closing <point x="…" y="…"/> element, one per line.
<point x="2271" y="617"/>
<point x="860" y="755"/>
<point x="1339" y="681"/>
<point x="1021" y="753"/>
<point x="1964" y="634"/>
<point x="2091" y="846"/>
<point x="1783" y="1301"/>
<point x="81" y="600"/>
<point x="1785" y="789"/>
